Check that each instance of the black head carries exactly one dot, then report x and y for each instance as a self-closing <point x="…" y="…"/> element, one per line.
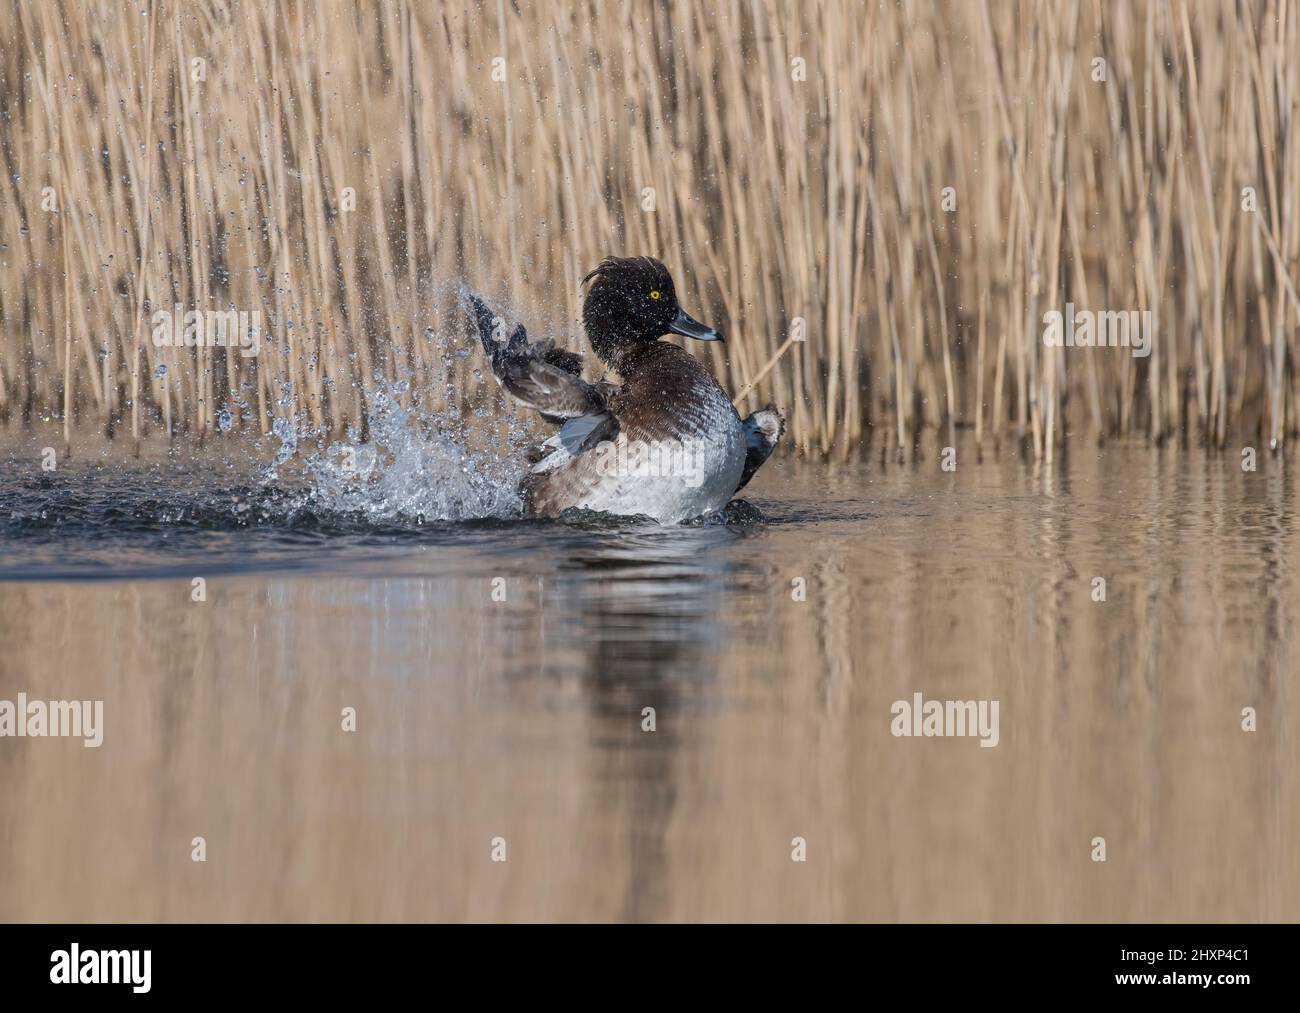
<point x="631" y="302"/>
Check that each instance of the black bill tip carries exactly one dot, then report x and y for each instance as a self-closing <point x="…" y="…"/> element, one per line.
<point x="688" y="327"/>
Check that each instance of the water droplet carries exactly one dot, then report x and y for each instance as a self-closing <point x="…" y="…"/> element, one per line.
<point x="225" y="420"/>
<point x="160" y="372"/>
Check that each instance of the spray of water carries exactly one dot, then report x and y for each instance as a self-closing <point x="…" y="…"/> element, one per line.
<point x="415" y="464"/>
<point x="413" y="467"/>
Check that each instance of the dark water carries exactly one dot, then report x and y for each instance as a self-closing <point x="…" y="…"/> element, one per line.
<point x="500" y="672"/>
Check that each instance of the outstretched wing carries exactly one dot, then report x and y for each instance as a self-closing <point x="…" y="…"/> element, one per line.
<point x="762" y="431"/>
<point x="538" y="374"/>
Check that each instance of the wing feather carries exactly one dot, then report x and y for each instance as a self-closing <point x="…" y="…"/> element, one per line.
<point x="537" y="374"/>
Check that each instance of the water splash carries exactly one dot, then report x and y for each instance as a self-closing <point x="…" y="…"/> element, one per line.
<point x="416" y="466"/>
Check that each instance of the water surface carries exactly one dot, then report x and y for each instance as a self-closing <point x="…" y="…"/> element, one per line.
<point x="522" y="719"/>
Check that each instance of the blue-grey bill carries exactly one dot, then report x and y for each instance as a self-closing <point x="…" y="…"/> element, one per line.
<point x="688" y="327"/>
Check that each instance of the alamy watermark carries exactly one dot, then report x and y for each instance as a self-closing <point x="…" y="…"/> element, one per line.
<point x="182" y="328"/>
<point x="624" y="458"/>
<point x="75" y="966"/>
<point x="946" y="718"/>
<point x="83" y="719"/>
<point x="1104" y="329"/>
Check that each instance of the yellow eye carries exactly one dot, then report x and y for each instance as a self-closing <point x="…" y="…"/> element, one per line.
<point x="654" y="294"/>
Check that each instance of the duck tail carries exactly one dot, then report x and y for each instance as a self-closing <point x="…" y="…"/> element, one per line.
<point x="763" y="429"/>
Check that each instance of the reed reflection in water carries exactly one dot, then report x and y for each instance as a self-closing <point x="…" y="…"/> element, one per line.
<point x="523" y="719"/>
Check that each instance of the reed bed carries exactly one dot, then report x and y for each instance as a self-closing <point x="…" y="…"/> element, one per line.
<point x="906" y="187"/>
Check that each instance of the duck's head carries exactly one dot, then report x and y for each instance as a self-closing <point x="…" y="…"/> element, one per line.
<point x="632" y="302"/>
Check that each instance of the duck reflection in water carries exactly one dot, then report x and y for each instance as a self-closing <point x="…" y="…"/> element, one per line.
<point x="644" y="615"/>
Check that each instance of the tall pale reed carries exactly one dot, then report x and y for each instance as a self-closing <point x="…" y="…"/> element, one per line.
<point x="905" y="187"/>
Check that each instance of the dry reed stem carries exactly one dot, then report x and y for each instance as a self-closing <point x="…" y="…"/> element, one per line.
<point x="781" y="190"/>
